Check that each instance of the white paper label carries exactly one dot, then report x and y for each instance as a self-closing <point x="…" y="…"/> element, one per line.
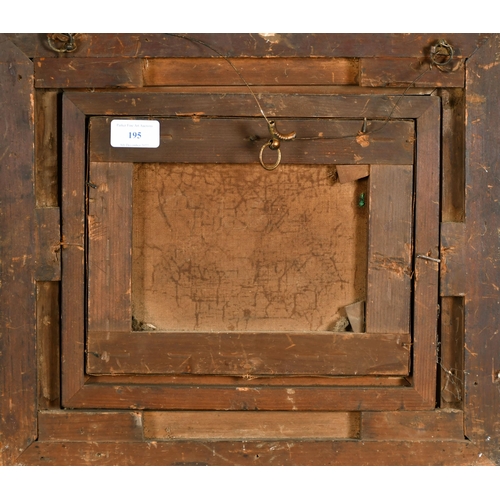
<point x="135" y="133"/>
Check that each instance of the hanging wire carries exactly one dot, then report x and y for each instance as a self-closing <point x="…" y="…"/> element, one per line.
<point x="201" y="42"/>
<point x="441" y="57"/>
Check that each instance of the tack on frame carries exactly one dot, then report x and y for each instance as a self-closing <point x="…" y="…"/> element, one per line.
<point x="26" y="435"/>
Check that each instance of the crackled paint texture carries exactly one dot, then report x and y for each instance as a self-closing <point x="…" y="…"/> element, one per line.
<point x="234" y="247"/>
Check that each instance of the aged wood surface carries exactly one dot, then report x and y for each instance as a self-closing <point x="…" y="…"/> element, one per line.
<point x="65" y="73"/>
<point x="48" y="244"/>
<point x="390" y="248"/>
<point x="109" y="247"/>
<point x="48" y="340"/>
<point x="72" y="226"/>
<point x="251" y="44"/>
<point x="452" y="270"/>
<point x="282" y="71"/>
<point x="238" y="248"/>
<point x="200" y="139"/>
<point x="64" y="426"/>
<point x="482" y="341"/>
<point x="453" y="155"/>
<point x="115" y="395"/>
<point x="476" y="356"/>
<point x="244" y="353"/>
<point x="254" y="381"/>
<point x="425" y="310"/>
<point x="451" y="355"/>
<point x="242" y="425"/>
<point x="288" y="452"/>
<point x="17" y="255"/>
<point x="46" y="148"/>
<point x="372" y="107"/>
<point x="402" y="72"/>
<point x="413" y="425"/>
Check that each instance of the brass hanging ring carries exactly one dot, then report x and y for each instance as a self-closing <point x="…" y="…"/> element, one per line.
<point x="61" y="42"/>
<point x="441" y="54"/>
<point x="269" y="144"/>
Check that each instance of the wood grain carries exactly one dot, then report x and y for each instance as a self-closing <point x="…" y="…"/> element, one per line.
<point x="251" y="44"/>
<point x="17" y="251"/>
<point x="451" y="355"/>
<point x="161" y="426"/>
<point x="196" y="138"/>
<point x="112" y="394"/>
<point x="479" y="208"/>
<point x="247" y="353"/>
<point x="48" y="244"/>
<point x="254" y="381"/>
<point x="438" y="425"/>
<point x="402" y="72"/>
<point x="482" y="343"/>
<point x="73" y="240"/>
<point x="453" y="155"/>
<point x="275" y="105"/>
<point x="390" y="249"/>
<point x="48" y="345"/>
<point x="425" y="310"/>
<point x="73" y="426"/>
<point x="267" y="453"/>
<point x="282" y="71"/>
<point x="110" y="247"/>
<point x="453" y="244"/>
<point x="46" y="148"/>
<point x="92" y="73"/>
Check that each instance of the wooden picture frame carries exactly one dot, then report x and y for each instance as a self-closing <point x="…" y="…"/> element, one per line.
<point x="59" y="407"/>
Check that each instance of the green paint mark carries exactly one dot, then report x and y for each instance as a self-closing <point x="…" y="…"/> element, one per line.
<point x="361" y="202"/>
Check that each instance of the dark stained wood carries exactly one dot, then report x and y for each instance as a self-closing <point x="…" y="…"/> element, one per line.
<point x="48" y="340"/>
<point x="110" y="247"/>
<point x="451" y="353"/>
<point x="288" y="452"/>
<point x="17" y="255"/>
<point x="331" y="105"/>
<point x="482" y="341"/>
<point x="350" y="173"/>
<point x="238" y="425"/>
<point x="390" y="237"/>
<point x="425" y="309"/>
<point x="480" y="303"/>
<point x="72" y="246"/>
<point x="245" y="353"/>
<point x="255" y="71"/>
<point x="402" y="72"/>
<point x="441" y="425"/>
<point x="251" y="44"/>
<point x="46" y="149"/>
<point x="334" y="90"/>
<point x="67" y="73"/>
<point x="199" y="139"/>
<point x="453" y="247"/>
<point x="453" y="155"/>
<point x="64" y="426"/>
<point x="48" y="244"/>
<point x="113" y="395"/>
<point x="101" y="394"/>
<point x="255" y="380"/>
